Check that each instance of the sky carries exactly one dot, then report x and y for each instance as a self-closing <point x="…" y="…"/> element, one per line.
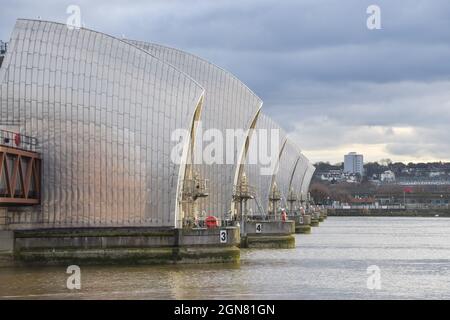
<point x="333" y="84"/>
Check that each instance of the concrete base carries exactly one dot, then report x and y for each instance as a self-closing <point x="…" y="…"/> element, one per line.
<point x="305" y="229"/>
<point x="6" y="241"/>
<point x="315" y="219"/>
<point x="128" y="256"/>
<point x="6" y="259"/>
<point x="3" y="218"/>
<point x="6" y="248"/>
<point x="314" y="222"/>
<point x="322" y="216"/>
<point x="269" y="234"/>
<point x="268" y="241"/>
<point x="302" y="223"/>
<point x="128" y="246"/>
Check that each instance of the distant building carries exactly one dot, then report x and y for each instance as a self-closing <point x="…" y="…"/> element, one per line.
<point x="387" y="176"/>
<point x="354" y="163"/>
<point x="436" y="174"/>
<point x="332" y="176"/>
<point x="351" y="178"/>
<point x="338" y="176"/>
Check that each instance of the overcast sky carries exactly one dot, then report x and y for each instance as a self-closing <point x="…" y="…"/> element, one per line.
<point x="335" y="85"/>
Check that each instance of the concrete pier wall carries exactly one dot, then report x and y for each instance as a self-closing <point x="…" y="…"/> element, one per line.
<point x="6" y="247"/>
<point x="270" y="227"/>
<point x="269" y="234"/>
<point x="6" y="241"/>
<point x="315" y="219"/>
<point x="321" y="216"/>
<point x="125" y="246"/>
<point x="302" y="223"/>
<point x="307" y="219"/>
<point x="3" y="219"/>
<point x="301" y="220"/>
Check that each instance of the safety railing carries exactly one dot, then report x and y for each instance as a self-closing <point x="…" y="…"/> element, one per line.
<point x="18" y="141"/>
<point x="3" y="47"/>
<point x="200" y="223"/>
<point x="267" y="217"/>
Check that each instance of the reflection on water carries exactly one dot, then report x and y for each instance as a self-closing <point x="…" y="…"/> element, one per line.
<point x="412" y="253"/>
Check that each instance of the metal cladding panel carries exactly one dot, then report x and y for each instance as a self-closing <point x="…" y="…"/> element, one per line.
<point x="307" y="180"/>
<point x="299" y="173"/>
<point x="286" y="168"/>
<point x="103" y="112"/>
<point x="259" y="172"/>
<point x="228" y="104"/>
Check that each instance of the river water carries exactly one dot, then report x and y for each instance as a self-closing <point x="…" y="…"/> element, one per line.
<point x="412" y="254"/>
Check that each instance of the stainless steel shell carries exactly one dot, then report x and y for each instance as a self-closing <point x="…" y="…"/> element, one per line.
<point x="103" y="111"/>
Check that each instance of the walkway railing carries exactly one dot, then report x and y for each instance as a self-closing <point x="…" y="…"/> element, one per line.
<point x="200" y="223"/>
<point x="266" y="217"/>
<point x="3" y="47"/>
<point x="18" y="141"/>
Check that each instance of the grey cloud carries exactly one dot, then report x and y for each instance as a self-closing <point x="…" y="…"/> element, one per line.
<point x="320" y="71"/>
<point x="395" y="103"/>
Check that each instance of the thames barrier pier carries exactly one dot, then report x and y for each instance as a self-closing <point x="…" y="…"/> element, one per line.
<point x="90" y="171"/>
<point x="130" y="246"/>
<point x="269" y="234"/>
<point x="315" y="218"/>
<point x="264" y="231"/>
<point x="302" y="223"/>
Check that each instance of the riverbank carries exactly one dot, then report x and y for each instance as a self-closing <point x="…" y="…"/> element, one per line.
<point x="425" y="213"/>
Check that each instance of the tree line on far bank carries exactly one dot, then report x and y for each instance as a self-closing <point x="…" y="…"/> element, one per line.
<point x="400" y="169"/>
